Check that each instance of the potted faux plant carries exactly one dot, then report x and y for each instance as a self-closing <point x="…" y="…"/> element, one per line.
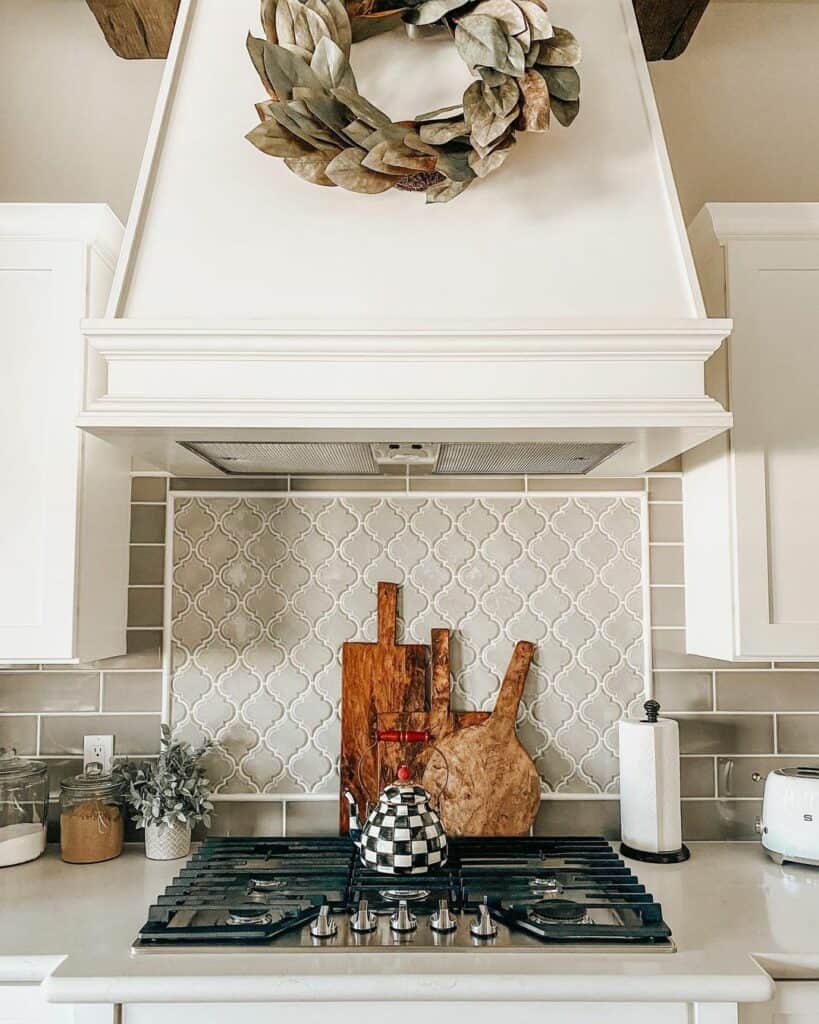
<point x="169" y="796"/>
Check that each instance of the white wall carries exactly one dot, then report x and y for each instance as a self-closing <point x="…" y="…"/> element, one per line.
<point x="739" y="107"/>
<point x="73" y="116"/>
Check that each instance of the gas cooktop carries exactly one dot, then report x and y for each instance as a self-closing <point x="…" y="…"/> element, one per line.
<point x="312" y="894"/>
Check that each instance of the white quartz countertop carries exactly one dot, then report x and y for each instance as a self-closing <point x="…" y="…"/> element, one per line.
<point x="738" y="921"/>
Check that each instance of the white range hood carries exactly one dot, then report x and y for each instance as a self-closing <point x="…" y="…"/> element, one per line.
<point x="555" y="301"/>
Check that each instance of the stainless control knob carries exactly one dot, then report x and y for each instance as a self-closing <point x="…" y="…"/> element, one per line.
<point x="442" y="920"/>
<point x="324" y="927"/>
<point x="403" y="920"/>
<point x="758" y="826"/>
<point x="363" y="920"/>
<point x="483" y="927"/>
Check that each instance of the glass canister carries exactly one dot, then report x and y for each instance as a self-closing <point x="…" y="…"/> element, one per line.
<point x="92" y="817"/>
<point x="23" y="808"/>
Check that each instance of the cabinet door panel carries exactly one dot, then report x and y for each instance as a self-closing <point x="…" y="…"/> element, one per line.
<point x="774" y="298"/>
<point x="40" y="299"/>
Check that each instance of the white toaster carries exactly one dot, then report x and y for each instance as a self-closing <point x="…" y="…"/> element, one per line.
<point x="790" y="815"/>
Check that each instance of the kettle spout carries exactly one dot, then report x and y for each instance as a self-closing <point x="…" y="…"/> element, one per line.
<point x="355" y="824"/>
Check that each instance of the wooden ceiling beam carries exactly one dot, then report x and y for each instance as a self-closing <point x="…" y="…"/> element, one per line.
<point x="136" y="29"/>
<point x="666" y="26"/>
<point x="139" y="29"/>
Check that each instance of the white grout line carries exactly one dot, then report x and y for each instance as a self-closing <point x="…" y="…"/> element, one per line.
<point x="714" y="690"/>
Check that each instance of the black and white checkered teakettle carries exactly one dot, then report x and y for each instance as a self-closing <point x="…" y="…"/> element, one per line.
<point x="403" y="835"/>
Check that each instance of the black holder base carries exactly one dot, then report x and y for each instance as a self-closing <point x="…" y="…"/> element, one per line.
<point x="672" y="857"/>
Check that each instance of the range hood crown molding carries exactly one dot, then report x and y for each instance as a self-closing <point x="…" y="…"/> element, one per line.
<point x="189" y="343"/>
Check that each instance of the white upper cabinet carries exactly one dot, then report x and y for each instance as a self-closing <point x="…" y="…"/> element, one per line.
<point x="751" y="497"/>
<point x="64" y="508"/>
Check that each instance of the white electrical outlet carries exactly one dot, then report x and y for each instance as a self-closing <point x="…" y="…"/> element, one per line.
<point x="99" y="749"/>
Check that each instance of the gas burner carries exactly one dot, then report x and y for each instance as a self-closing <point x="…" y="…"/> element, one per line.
<point x="396" y="895"/>
<point x="560" y="912"/>
<point x="247" y="915"/>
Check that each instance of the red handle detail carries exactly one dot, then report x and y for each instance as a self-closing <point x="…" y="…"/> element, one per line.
<point x="403" y="736"/>
<point x="403" y="773"/>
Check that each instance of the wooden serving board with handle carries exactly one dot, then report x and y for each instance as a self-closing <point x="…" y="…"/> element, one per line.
<point x="383" y="687"/>
<point x="375" y="678"/>
<point x="489" y="784"/>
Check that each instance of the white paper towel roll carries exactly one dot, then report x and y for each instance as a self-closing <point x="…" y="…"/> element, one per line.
<point x="650" y="785"/>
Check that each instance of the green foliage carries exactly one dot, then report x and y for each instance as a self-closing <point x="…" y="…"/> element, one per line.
<point x="174" y="788"/>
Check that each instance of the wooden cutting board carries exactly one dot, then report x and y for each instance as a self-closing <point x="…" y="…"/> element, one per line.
<point x="375" y="678"/>
<point x="383" y="686"/>
<point x="490" y="785"/>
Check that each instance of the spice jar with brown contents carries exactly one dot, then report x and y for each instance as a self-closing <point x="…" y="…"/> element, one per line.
<point x="91" y="817"/>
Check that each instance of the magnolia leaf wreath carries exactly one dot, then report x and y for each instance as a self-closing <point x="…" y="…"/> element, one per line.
<point x="318" y="122"/>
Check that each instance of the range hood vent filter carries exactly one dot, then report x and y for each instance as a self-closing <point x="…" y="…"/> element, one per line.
<point x="547" y="458"/>
<point x="274" y="458"/>
<point x="320" y="458"/>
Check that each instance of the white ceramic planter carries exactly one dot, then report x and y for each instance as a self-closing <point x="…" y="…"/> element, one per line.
<point x="167" y="842"/>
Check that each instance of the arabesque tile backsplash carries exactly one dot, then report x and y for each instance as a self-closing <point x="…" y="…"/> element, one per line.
<point x="735" y="720"/>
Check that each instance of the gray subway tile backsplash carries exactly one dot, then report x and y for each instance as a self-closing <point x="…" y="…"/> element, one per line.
<point x="667" y="606"/>
<point x="149" y="488"/>
<point x="735" y="775"/>
<point x="147" y="524"/>
<point x="665" y="523"/>
<point x="711" y="820"/>
<point x="697" y="776"/>
<point x="145" y="606"/>
<point x="135" y="734"/>
<point x="725" y="734"/>
<point x="798" y="734"/>
<point x="579" y="818"/>
<point x="684" y="691"/>
<point x="666" y="564"/>
<point x="768" y="691"/>
<point x="147" y="565"/>
<point x="49" y="691"/>
<point x="131" y="691"/>
<point x="19" y="732"/>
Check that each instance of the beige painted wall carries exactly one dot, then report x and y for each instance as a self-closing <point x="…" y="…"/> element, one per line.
<point x="740" y="107"/>
<point x="73" y="117"/>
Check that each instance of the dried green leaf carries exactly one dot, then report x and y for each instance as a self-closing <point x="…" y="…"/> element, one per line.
<point x="313" y="167"/>
<point x="563" y="83"/>
<point x="271" y="138"/>
<point x="433" y="10"/>
<point x="286" y="70"/>
<point x="331" y="66"/>
<point x="287" y="12"/>
<point x="562" y="50"/>
<point x="363" y="109"/>
<point x="446" y="190"/>
<point x="269" y="20"/>
<point x="506" y="12"/>
<point x="515" y="59"/>
<point x="368" y="25"/>
<point x="439" y="114"/>
<point x="491" y="77"/>
<point x="346" y="170"/>
<point x="455" y="164"/>
<point x="538" y="19"/>
<point x="483" y="165"/>
<point x="565" y="110"/>
<point x="299" y="51"/>
<point x="287" y="119"/>
<point x="440" y="132"/>
<point x="414" y="141"/>
<point x="502" y="98"/>
<point x="484" y="125"/>
<point x="374" y="161"/>
<point x="525" y="39"/>
<point x="481" y="42"/>
<point x="342" y="33"/>
<point x="534" y="114"/>
<point x="310" y="29"/>
<point x="255" y="47"/>
<point x="399" y="155"/>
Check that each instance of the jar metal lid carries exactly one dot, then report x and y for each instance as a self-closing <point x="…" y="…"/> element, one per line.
<point x="93" y="779"/>
<point x="14" y="768"/>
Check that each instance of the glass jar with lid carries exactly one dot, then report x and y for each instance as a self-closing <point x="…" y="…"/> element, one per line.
<point x="23" y="808"/>
<point x="92" y="817"/>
